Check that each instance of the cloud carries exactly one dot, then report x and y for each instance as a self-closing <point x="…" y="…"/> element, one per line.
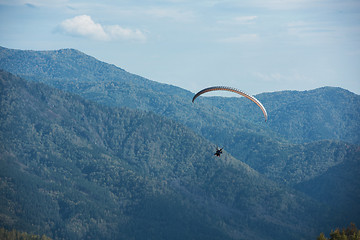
<point x="117" y="32"/>
<point x="245" y="19"/>
<point x="84" y="26"/>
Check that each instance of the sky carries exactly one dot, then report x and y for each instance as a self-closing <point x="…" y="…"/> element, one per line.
<point x="253" y="45"/>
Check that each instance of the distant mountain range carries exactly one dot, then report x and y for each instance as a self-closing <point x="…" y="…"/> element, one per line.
<point x="135" y="158"/>
<point x="324" y="113"/>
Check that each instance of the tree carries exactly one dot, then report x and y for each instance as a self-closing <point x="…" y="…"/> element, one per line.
<point x="321" y="237"/>
<point x="350" y="233"/>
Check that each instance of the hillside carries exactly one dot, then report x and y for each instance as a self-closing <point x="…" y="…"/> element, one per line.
<point x="73" y="169"/>
<point x="339" y="186"/>
<point x="321" y="114"/>
<point x="309" y="144"/>
<point x="327" y="115"/>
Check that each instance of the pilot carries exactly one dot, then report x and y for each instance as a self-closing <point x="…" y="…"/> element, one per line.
<point x="218" y="152"/>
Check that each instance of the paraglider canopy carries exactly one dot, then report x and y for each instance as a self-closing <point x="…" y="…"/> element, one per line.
<point x="231" y="89"/>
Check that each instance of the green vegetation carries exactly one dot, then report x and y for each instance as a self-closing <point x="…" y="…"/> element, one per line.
<point x="304" y="116"/>
<point x="16" y="235"/>
<point x="350" y="233"/>
<point x="74" y="169"/>
<point x="324" y="113"/>
<point x="327" y="115"/>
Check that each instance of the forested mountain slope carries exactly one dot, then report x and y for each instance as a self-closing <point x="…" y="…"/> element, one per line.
<point x="305" y="116"/>
<point x="325" y="113"/>
<point x="234" y="123"/>
<point x="73" y="169"/>
<point x="339" y="186"/>
<point x="308" y="143"/>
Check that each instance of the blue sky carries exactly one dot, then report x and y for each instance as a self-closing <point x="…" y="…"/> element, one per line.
<point x="254" y="45"/>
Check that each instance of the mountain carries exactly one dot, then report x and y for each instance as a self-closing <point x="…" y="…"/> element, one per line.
<point x="309" y="145"/>
<point x="339" y="186"/>
<point x="73" y="169"/>
<point x="325" y="115"/>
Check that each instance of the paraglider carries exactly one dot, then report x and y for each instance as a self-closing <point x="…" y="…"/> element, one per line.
<point x="231" y="89"/>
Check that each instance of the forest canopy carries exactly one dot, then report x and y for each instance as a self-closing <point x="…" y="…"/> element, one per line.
<point x="350" y="233"/>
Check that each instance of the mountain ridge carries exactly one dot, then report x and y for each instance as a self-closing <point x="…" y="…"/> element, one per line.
<point x="289" y="118"/>
<point x="310" y="138"/>
<point x="113" y="86"/>
<point x="50" y="146"/>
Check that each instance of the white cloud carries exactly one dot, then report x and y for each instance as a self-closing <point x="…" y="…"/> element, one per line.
<point x="245" y="19"/>
<point x="84" y="26"/>
<point x="117" y="32"/>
